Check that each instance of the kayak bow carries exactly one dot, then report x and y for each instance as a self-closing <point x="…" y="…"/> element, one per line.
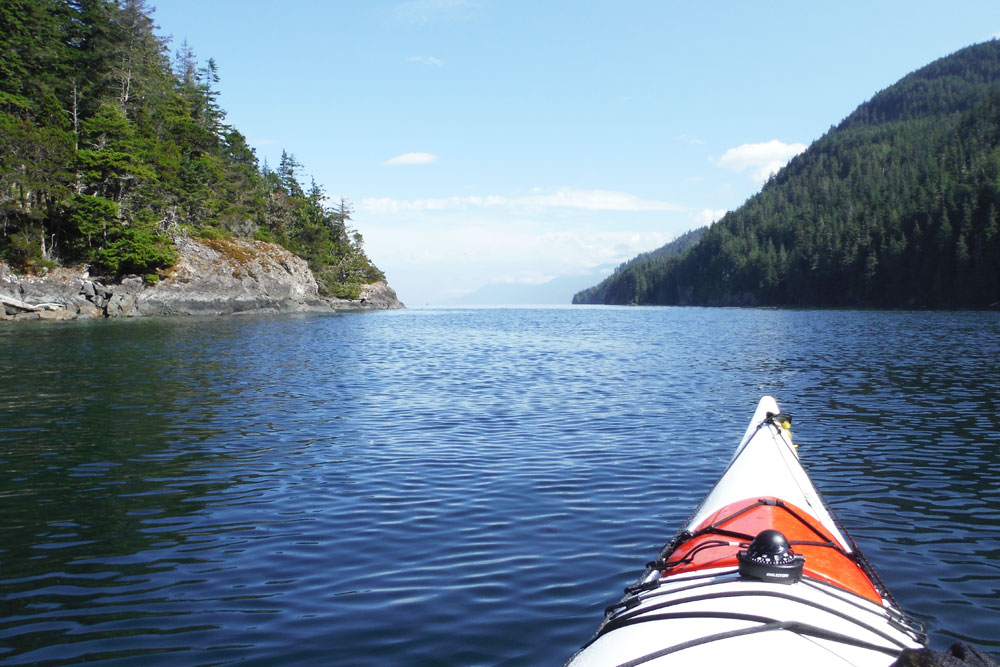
<point x="761" y="568"/>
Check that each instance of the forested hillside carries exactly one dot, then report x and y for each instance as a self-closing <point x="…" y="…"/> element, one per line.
<point x="109" y="147"/>
<point x="897" y="206"/>
<point x="613" y="290"/>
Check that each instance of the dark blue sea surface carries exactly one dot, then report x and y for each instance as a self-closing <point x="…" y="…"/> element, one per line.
<point x="459" y="487"/>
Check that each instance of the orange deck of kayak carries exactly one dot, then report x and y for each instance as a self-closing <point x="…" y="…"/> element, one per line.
<point x="824" y="563"/>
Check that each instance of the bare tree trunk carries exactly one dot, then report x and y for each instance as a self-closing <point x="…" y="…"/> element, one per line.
<point x="126" y="79"/>
<point x="78" y="184"/>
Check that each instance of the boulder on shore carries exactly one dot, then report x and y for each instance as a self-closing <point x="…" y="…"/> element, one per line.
<point x="211" y="277"/>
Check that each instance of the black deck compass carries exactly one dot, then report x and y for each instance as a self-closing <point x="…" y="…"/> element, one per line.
<point x="770" y="558"/>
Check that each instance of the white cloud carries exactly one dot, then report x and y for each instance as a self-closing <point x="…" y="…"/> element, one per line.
<point x="411" y="158"/>
<point x="426" y="60"/>
<point x="431" y="259"/>
<point x="525" y="277"/>
<point x="382" y="205"/>
<point x="437" y="248"/>
<point x="689" y="139"/>
<point x="599" y="200"/>
<point x="588" y="200"/>
<point x="761" y="159"/>
<point x="707" y="216"/>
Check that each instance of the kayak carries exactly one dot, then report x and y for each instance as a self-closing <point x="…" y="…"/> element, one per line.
<point x="762" y="570"/>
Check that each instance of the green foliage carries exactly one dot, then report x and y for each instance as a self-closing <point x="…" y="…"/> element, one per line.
<point x="323" y="238"/>
<point x="105" y="150"/>
<point x="136" y="250"/>
<point x="210" y="233"/>
<point x="615" y="290"/>
<point x="23" y="249"/>
<point x="89" y="219"/>
<point x="895" y="207"/>
<point x="331" y="286"/>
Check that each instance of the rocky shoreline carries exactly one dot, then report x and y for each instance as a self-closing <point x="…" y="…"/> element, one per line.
<point x="211" y="277"/>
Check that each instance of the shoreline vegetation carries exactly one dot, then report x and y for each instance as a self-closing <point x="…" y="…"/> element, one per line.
<point x="116" y="159"/>
<point x="898" y="206"/>
<point x="220" y="277"/>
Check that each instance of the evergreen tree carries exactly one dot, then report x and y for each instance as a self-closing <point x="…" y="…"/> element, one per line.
<point x="107" y="148"/>
<point x="896" y="206"/>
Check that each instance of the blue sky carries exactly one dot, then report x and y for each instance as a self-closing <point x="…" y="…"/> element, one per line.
<point x="491" y="141"/>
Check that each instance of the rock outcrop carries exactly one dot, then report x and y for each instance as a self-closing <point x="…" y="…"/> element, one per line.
<point x="214" y="277"/>
<point x="56" y="296"/>
<point x="374" y="296"/>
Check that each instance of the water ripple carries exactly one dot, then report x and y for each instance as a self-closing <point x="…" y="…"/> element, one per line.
<point x="459" y="486"/>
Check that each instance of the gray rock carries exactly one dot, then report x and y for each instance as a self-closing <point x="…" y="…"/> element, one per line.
<point x="96" y="293"/>
<point x="56" y="315"/>
<point x="379" y="296"/>
<point x="57" y="286"/>
<point x="210" y="278"/>
<point x="232" y="276"/>
<point x="84" y="309"/>
<point x="125" y="298"/>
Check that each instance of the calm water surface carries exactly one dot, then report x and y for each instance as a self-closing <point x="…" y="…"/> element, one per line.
<point x="459" y="487"/>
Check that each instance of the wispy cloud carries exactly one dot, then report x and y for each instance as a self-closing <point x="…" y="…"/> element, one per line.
<point x="588" y="200"/>
<point x="437" y="245"/>
<point x="761" y="159"/>
<point x="439" y="261"/>
<point x="599" y="200"/>
<point x="426" y="60"/>
<point x="389" y="205"/>
<point x="410" y="159"/>
<point x="707" y="216"/>
<point x="689" y="139"/>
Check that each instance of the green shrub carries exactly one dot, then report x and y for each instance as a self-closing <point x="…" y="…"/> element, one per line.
<point x="24" y="249"/>
<point x="210" y="233"/>
<point x="91" y="218"/>
<point x="137" y="251"/>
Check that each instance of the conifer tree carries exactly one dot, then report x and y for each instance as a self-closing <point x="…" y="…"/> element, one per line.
<point x="107" y="148"/>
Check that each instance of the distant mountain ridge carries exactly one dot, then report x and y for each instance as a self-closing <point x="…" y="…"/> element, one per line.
<point x="896" y="206"/>
<point x="953" y="84"/>
<point x="556" y="291"/>
<point x="607" y="288"/>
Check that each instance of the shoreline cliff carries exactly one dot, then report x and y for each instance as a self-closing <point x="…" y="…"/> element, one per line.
<point x="211" y="277"/>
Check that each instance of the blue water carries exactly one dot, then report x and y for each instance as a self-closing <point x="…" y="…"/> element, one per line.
<point x="459" y="487"/>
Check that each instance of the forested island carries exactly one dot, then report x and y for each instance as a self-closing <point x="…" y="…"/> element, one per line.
<point x="111" y="151"/>
<point x="897" y="206"/>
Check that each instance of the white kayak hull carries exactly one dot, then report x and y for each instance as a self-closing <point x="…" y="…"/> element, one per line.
<point x="694" y="605"/>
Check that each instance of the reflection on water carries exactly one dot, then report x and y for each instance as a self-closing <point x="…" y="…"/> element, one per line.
<point x="459" y="486"/>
